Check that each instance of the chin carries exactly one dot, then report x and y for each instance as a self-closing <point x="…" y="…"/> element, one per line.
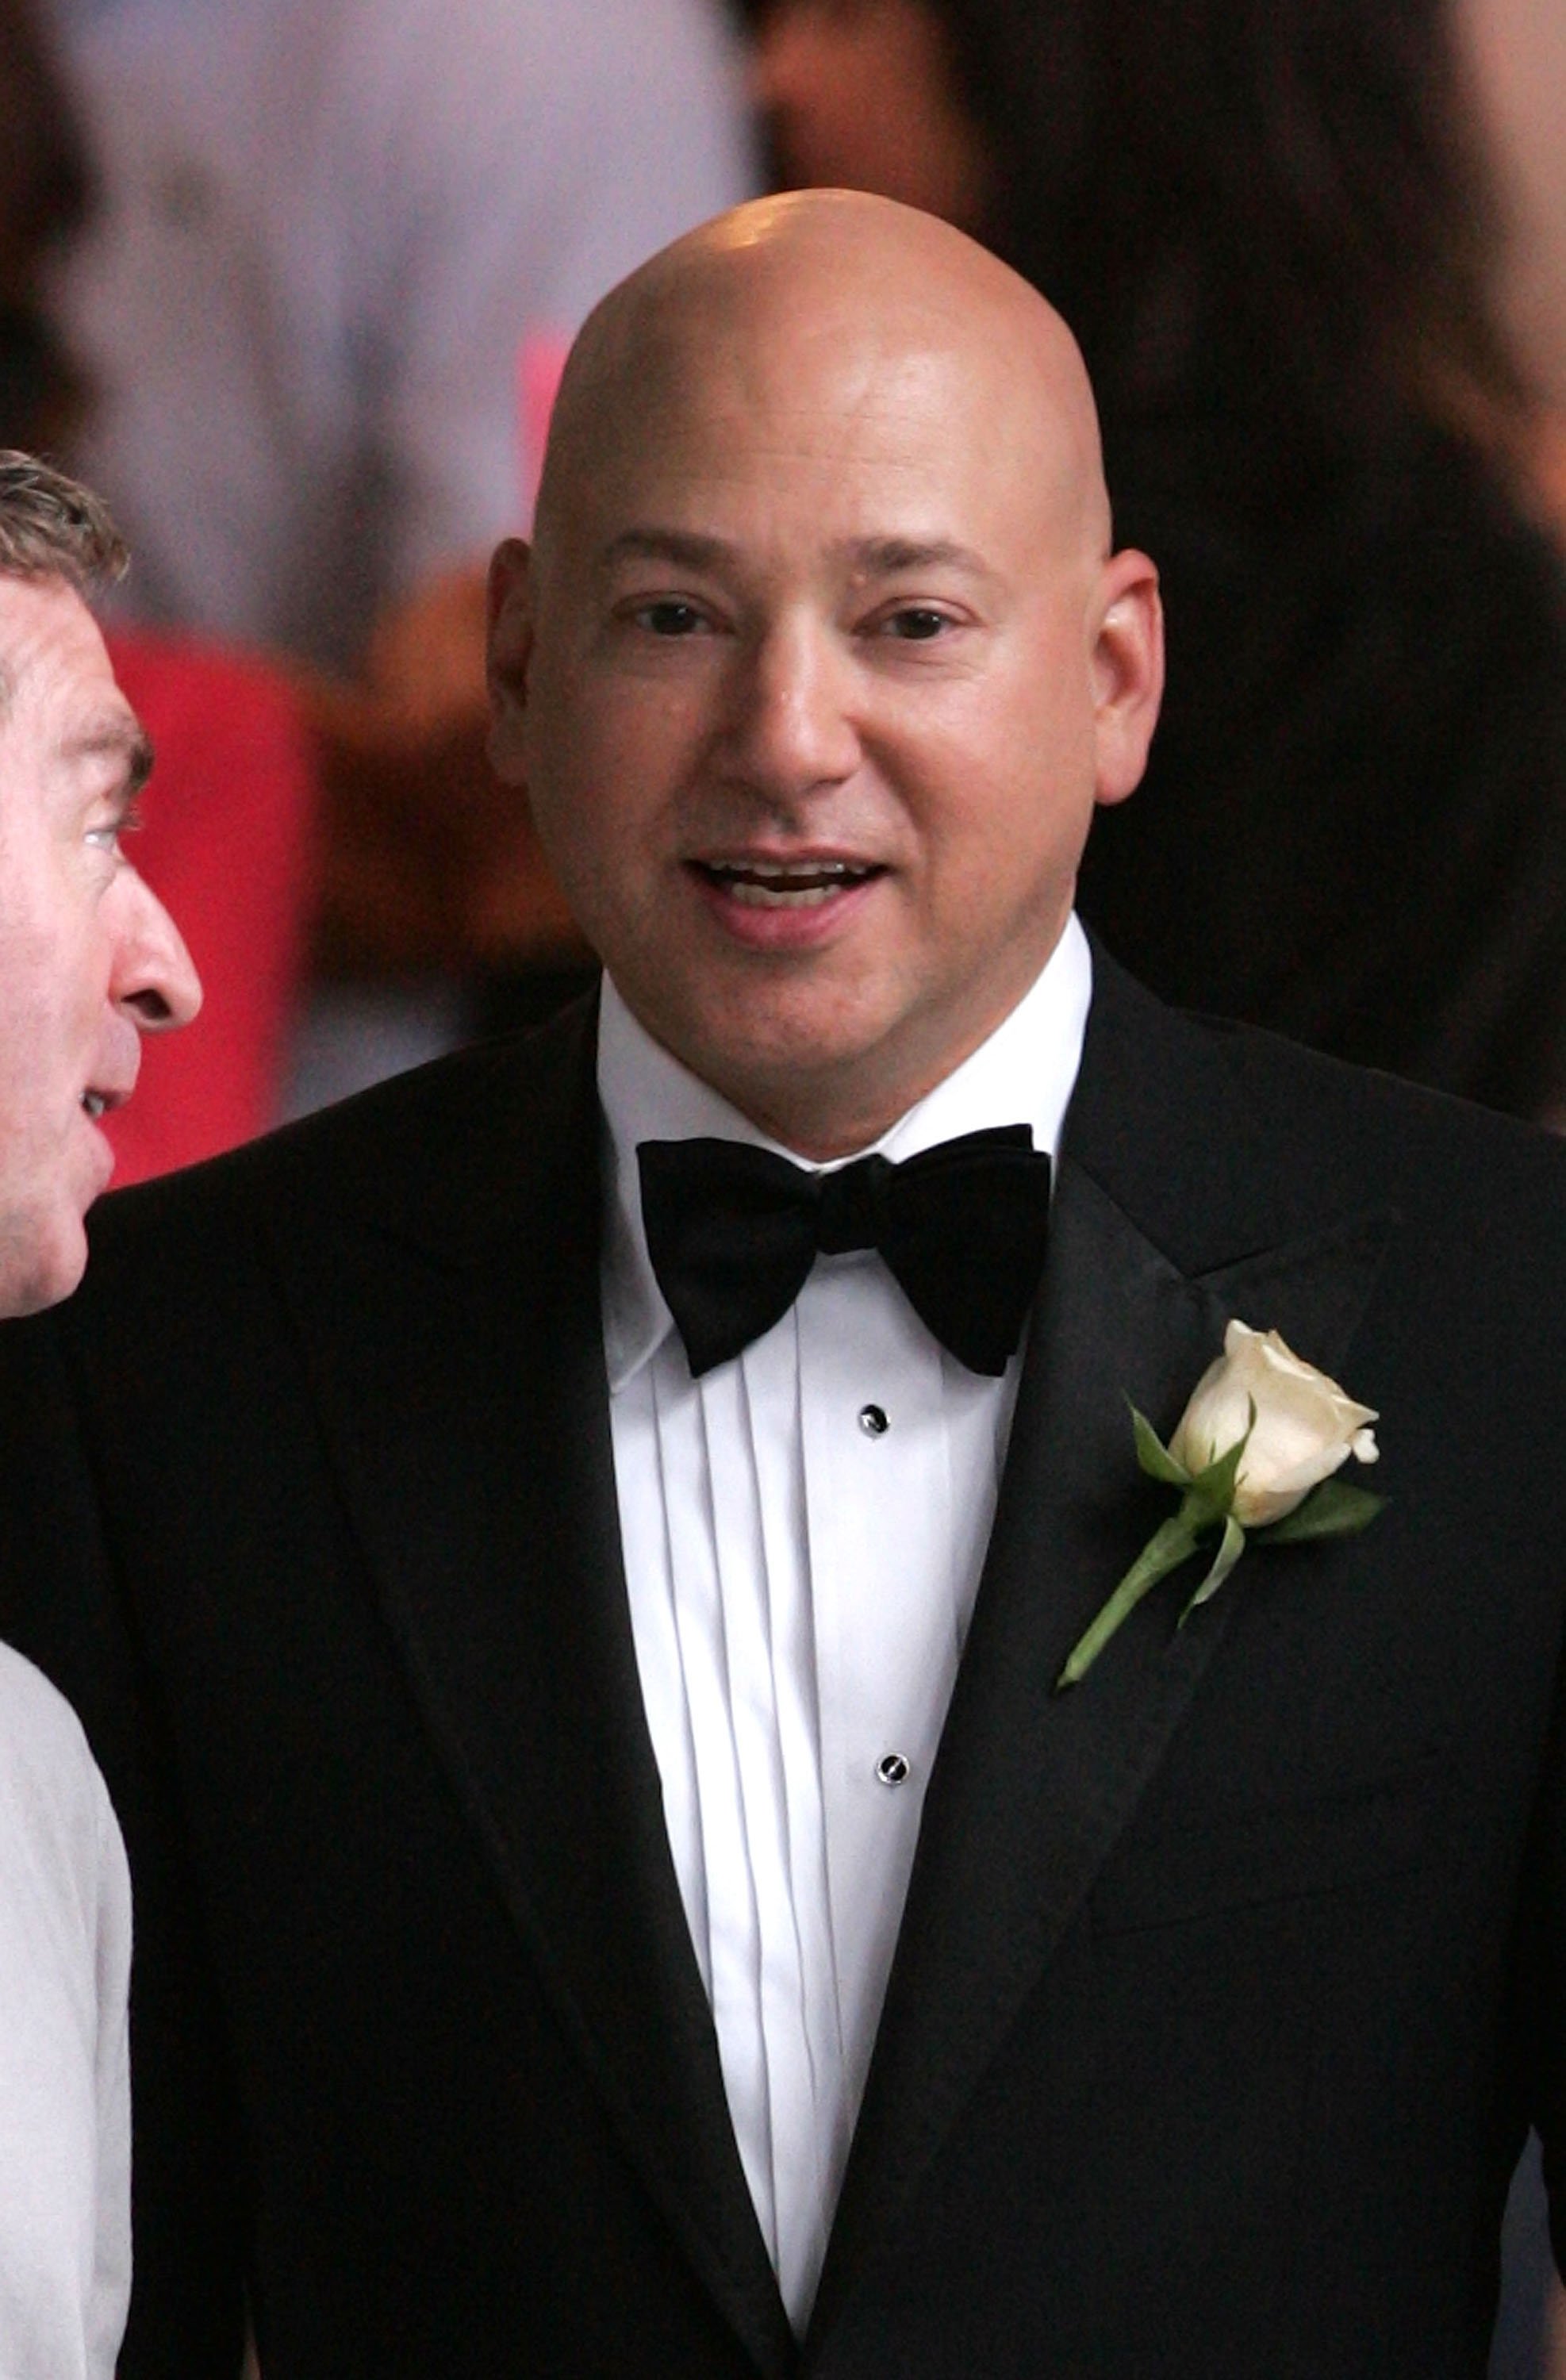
<point x="40" y="1271"/>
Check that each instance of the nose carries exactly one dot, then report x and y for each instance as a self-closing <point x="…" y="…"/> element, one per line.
<point x="155" y="982"/>
<point x="791" y="724"/>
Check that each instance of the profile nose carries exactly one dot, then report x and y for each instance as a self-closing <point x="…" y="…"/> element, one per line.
<point x="154" y="981"/>
<point x="791" y="724"/>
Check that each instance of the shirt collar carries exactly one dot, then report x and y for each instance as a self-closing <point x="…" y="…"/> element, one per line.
<point x="1024" y="1074"/>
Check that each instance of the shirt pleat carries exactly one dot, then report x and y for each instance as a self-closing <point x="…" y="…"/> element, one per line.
<point x="804" y="1531"/>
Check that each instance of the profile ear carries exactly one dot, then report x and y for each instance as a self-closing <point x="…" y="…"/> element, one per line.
<point x="509" y="613"/>
<point x="1127" y="672"/>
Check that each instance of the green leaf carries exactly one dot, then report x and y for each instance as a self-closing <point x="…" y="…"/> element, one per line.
<point x="1154" y="1455"/>
<point x="1333" y="1510"/>
<point x="1228" y="1554"/>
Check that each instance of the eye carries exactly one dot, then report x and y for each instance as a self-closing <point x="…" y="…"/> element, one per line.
<point x="916" y="623"/>
<point x="669" y="617"/>
<point x="106" y="836"/>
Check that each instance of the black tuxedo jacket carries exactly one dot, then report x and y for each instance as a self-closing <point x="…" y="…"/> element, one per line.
<point x="1227" y="1983"/>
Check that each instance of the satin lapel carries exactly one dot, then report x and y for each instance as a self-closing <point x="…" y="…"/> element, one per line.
<point x="1032" y="1789"/>
<point x="457" y="1361"/>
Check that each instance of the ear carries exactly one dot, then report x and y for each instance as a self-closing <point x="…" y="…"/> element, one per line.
<point x="509" y="610"/>
<point x="1127" y="672"/>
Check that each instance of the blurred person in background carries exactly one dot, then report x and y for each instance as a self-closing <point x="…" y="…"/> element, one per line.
<point x="45" y="187"/>
<point x="227" y="835"/>
<point x="1516" y="50"/>
<point x="1270" y="225"/>
<point x="343" y="246"/>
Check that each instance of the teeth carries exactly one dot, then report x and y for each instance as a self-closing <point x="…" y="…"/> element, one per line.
<point x="777" y="896"/>
<point x="783" y="868"/>
<point x="768" y="883"/>
<point x="94" y="1102"/>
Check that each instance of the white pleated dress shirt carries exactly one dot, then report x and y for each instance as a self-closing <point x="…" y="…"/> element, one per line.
<point x="803" y="1529"/>
<point x="65" y="2085"/>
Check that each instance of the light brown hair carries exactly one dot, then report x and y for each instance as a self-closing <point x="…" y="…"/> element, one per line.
<point x="51" y="526"/>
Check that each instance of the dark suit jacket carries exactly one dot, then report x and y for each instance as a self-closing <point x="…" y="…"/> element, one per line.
<point x="1227" y="1982"/>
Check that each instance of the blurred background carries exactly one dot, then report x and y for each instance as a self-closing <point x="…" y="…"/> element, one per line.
<point x="291" y="282"/>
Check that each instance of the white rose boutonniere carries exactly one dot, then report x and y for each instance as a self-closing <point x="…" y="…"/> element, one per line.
<point x="1255" y="1451"/>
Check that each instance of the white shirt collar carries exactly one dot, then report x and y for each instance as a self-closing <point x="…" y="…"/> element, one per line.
<point x="1024" y="1074"/>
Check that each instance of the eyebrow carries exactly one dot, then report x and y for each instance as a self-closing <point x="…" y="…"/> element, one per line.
<point x="663" y="545"/>
<point x="874" y="557"/>
<point x="888" y="557"/>
<point x="115" y="739"/>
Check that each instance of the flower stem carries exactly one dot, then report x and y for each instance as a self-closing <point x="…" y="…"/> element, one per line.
<point x="1173" y="1544"/>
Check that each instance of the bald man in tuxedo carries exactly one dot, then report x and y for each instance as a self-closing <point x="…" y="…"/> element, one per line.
<point x="576" y="1645"/>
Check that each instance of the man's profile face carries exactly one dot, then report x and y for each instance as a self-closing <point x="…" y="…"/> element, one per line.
<point x="809" y="705"/>
<point x="89" y="959"/>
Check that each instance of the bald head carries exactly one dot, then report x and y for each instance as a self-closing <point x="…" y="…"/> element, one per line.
<point x="843" y="298"/>
<point x="820" y="659"/>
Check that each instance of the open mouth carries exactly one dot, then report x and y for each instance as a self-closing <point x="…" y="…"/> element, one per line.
<point x="783" y="884"/>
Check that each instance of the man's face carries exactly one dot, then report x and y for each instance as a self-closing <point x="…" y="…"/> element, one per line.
<point x="807" y="685"/>
<point x="89" y="959"/>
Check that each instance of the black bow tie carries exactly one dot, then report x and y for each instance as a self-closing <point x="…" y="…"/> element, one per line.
<point x="732" y="1231"/>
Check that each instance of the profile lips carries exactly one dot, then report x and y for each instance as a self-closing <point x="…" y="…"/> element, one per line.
<point x="797" y="884"/>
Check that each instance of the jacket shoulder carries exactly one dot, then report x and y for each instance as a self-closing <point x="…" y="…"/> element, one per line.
<point x="1184" y="1117"/>
<point x="431" y="1150"/>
